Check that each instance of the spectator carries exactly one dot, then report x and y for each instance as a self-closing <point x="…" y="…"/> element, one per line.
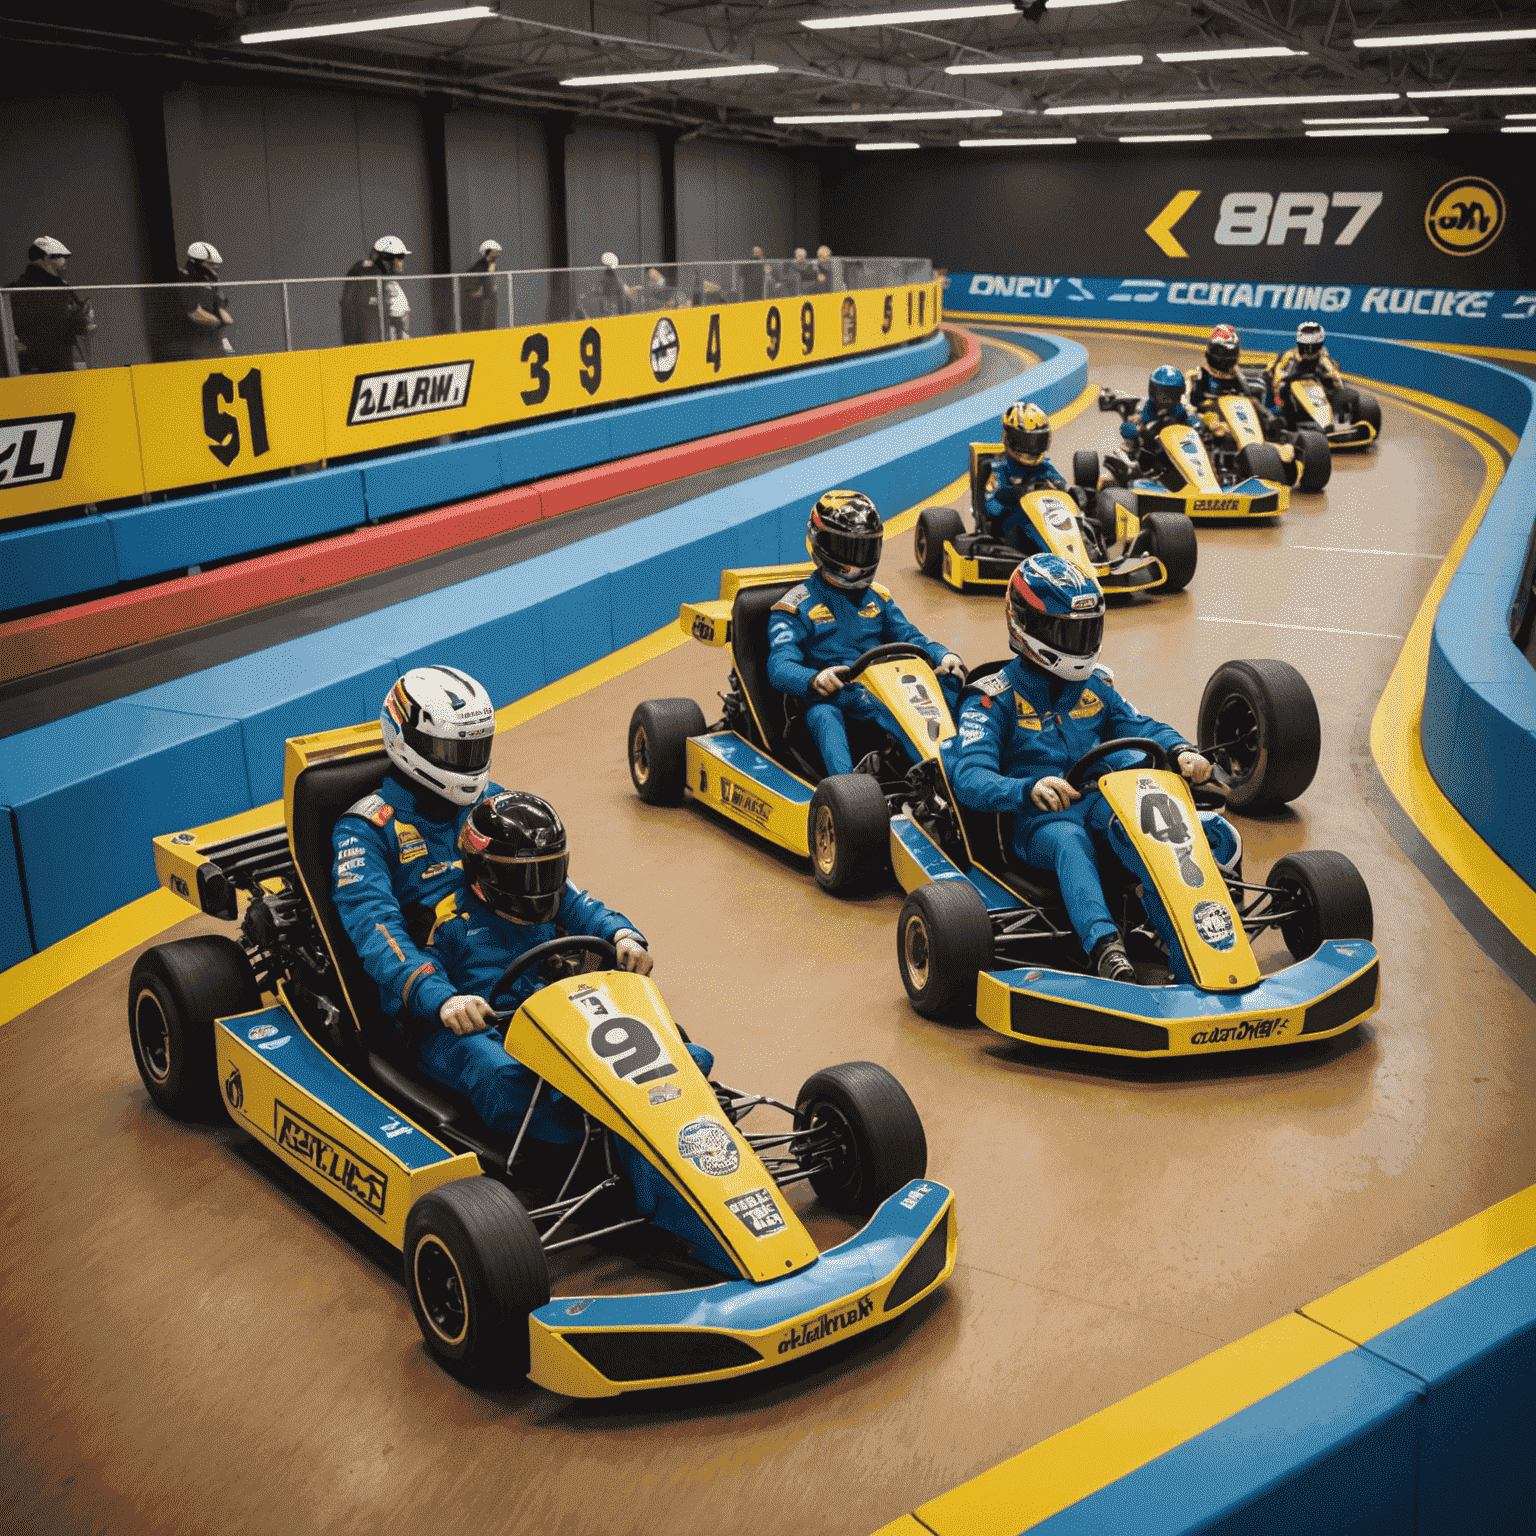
<point x="755" y="278"/>
<point x="477" y="292"/>
<point x="194" y="316"/>
<point x="361" y="319"/>
<point x="51" y="319"/>
<point x="611" y="287"/>
<point x="826" y="276"/>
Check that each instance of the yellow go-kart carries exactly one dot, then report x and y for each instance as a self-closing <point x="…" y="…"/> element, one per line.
<point x="1348" y="419"/>
<point x="1232" y="423"/>
<point x="281" y="1032"/>
<point x="1123" y="551"/>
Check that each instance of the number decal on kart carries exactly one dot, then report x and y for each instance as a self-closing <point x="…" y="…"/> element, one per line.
<point x="1162" y="820"/>
<point x="627" y="1044"/>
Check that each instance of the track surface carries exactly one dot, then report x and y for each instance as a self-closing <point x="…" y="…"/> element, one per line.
<point x="192" y="1342"/>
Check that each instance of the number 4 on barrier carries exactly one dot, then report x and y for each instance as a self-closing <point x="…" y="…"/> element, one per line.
<point x="222" y="428"/>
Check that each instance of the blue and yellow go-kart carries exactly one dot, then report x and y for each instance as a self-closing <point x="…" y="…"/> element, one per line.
<point x="982" y="935"/>
<point x="1350" y="419"/>
<point x="758" y="767"/>
<point x="279" y="1032"/>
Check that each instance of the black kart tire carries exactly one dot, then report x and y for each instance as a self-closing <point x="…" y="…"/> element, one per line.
<point x="1261" y="461"/>
<point x="1259" y="719"/>
<point x="881" y="1145"/>
<point x="943" y="940"/>
<point x="175" y="993"/>
<point x="1314" y="459"/>
<point x="1368" y="410"/>
<point x="1085" y="469"/>
<point x="849" y="828"/>
<point x="935" y="525"/>
<point x="1347" y="402"/>
<point x="1330" y="895"/>
<point x="1103" y="515"/>
<point x="474" y="1270"/>
<point x="657" y="745"/>
<point x="1171" y="537"/>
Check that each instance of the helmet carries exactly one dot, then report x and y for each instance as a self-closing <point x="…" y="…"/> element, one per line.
<point x="208" y="255"/>
<point x="845" y="536"/>
<point x="1223" y="350"/>
<point x="1166" y="388"/>
<point x="1055" y="616"/>
<point x="609" y="260"/>
<point x="390" y="245"/>
<point x="515" y="856"/>
<point x="1026" y="431"/>
<point x="1309" y="338"/>
<point x="46" y="245"/>
<point x="490" y="248"/>
<point x="438" y="729"/>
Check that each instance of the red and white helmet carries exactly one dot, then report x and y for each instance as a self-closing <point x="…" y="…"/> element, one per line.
<point x="1223" y="351"/>
<point x="439" y="726"/>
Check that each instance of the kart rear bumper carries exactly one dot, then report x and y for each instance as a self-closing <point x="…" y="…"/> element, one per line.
<point x="1358" y="434"/>
<point x="1248" y="498"/>
<point x="1329" y="992"/>
<point x="602" y="1346"/>
<point x="1130" y="573"/>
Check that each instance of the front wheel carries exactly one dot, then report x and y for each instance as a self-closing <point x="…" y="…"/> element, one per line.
<point x="658" y="747"/>
<point x="1105" y="515"/>
<point x="943" y="942"/>
<point x="935" y="526"/>
<point x="475" y="1269"/>
<point x="1171" y="537"/>
<point x="1260" y="461"/>
<point x="1314" y="461"/>
<point x="1368" y="410"/>
<point x="1258" y="720"/>
<point x="872" y="1142"/>
<point x="175" y="994"/>
<point x="1329" y="898"/>
<point x="850" y="830"/>
<point x="1085" y="469"/>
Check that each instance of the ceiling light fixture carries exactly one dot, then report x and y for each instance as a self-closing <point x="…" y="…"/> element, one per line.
<point x="1369" y="133"/>
<point x="1019" y="66"/>
<point x="1200" y="55"/>
<point x="903" y="18"/>
<point x="891" y="144"/>
<point x="1009" y="143"/>
<point x="1527" y="128"/>
<point x="888" y="117"/>
<point x="1164" y="138"/>
<point x="371" y="24"/>
<point x="645" y="77"/>
<point x="1067" y="5"/>
<point x="1217" y="103"/>
<point x="1384" y="122"/>
<point x="1478" y="90"/>
<point x="1448" y="39"/>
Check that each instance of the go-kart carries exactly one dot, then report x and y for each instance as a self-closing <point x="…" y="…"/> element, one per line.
<point x="280" y="1031"/>
<point x="1349" y="419"/>
<point x="1179" y="475"/>
<point x="1123" y="552"/>
<point x="982" y="935"/>
<point x="758" y="766"/>
<point x="1231" y="423"/>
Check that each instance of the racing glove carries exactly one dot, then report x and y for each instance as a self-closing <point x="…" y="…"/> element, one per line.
<point x="953" y="665"/>
<point x="466" y="1015"/>
<point x="633" y="955"/>
<point x="827" y="682"/>
<point x="1194" y="767"/>
<point x="1053" y="794"/>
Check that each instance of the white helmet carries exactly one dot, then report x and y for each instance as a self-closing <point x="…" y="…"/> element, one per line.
<point x="390" y="245"/>
<point x="46" y="245"/>
<point x="439" y="725"/>
<point x="490" y="248"/>
<point x="200" y="250"/>
<point x="608" y="259"/>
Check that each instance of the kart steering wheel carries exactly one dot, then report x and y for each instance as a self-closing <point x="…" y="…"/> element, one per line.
<point x="542" y="952"/>
<point x="897" y="651"/>
<point x="1155" y="754"/>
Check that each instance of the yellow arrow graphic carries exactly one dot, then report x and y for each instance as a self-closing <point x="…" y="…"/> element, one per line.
<point x="1161" y="228"/>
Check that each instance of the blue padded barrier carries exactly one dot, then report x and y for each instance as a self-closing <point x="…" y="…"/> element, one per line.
<point x="554" y="447"/>
<point x="431" y="477"/>
<point x="192" y="530"/>
<point x="40" y="565"/>
<point x="15" y="933"/>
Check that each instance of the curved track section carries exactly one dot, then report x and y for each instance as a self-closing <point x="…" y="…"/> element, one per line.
<point x="1119" y="1221"/>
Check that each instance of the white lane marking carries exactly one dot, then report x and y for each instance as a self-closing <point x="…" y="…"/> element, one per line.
<point x="1319" y="629"/>
<point x="1335" y="549"/>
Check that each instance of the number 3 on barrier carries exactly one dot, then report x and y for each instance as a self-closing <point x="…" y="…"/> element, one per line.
<point x="222" y="428"/>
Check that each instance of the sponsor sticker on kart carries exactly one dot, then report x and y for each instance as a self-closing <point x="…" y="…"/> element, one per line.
<point x="824" y="1329"/>
<point x="736" y="798"/>
<point x="1213" y="922"/>
<point x="709" y="1146"/>
<point x="1273" y="1028"/>
<point x="757" y="1212"/>
<point x="1216" y="504"/>
<point x="353" y="1175"/>
<point x="261" y="1032"/>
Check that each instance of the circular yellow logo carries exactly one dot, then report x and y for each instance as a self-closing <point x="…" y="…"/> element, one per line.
<point x="1465" y="216"/>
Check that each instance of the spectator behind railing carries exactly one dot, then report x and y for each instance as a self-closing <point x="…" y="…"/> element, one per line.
<point x="361" y="318"/>
<point x="477" y="293"/>
<point x="192" y="318"/>
<point x="51" y="320"/>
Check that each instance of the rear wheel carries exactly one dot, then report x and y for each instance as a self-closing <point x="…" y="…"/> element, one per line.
<point x="1085" y="469"/>
<point x="1171" y="537"/>
<point x="1258" y="720"/>
<point x="658" y="747"/>
<point x="876" y="1138"/>
<point x="850" y="830"/>
<point x="175" y="993"/>
<point x="1314" y="460"/>
<point x="1105" y="513"/>
<point x="1260" y="461"/>
<point x="943" y="940"/>
<point x="1329" y="896"/>
<point x="1368" y="410"/>
<point x="935" y="525"/>
<point x="475" y="1269"/>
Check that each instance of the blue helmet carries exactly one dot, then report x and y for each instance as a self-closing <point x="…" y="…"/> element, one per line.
<point x="1055" y="616"/>
<point x="1165" y="388"/>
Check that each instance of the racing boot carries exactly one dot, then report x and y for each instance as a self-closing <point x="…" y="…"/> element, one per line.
<point x="1110" y="960"/>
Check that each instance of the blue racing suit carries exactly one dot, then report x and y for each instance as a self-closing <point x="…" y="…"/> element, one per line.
<point x="1006" y="490"/>
<point x="1021" y="725"/>
<point x="472" y="947"/>
<point x="814" y="626"/>
<point x="1140" y="433"/>
<point x="391" y="857"/>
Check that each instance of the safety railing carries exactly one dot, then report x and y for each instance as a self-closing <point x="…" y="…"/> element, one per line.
<point x="53" y="329"/>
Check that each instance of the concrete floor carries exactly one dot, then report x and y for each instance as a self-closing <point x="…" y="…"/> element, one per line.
<point x="194" y="1342"/>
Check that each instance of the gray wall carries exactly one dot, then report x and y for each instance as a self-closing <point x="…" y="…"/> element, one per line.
<point x="612" y="195"/>
<point x="498" y="188"/>
<point x="731" y="197"/>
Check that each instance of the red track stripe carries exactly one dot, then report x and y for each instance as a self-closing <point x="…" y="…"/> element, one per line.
<point x="32" y="645"/>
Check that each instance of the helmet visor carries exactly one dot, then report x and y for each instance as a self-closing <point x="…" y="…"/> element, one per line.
<point x="850" y="551"/>
<point x="527" y="889"/>
<point x="1072" y="634"/>
<point x="1166" y="396"/>
<point x="1031" y="445"/>
<point x="470" y="754"/>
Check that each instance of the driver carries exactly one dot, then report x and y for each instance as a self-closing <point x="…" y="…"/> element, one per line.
<point x="833" y="617"/>
<point x="1308" y="359"/>
<point x="1024" y="467"/>
<point x="1163" y="407"/>
<point x="395" y="850"/>
<point x="1220" y="373"/>
<point x="1021" y="729"/>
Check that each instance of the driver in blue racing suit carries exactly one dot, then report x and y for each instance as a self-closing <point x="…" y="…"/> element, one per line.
<point x="1024" y="467"/>
<point x="833" y="617"/>
<point x="1021" y="729"/>
<point x="1163" y="407"/>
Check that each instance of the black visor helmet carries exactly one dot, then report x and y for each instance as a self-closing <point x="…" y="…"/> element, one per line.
<point x="845" y="537"/>
<point x="1026" y="431"/>
<point x="1223" y="350"/>
<point x="1309" y="339"/>
<point x="515" y="856"/>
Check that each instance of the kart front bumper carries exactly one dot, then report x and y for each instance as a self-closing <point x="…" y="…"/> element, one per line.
<point x="1356" y="434"/>
<point x="1329" y="992"/>
<point x="1248" y="498"/>
<point x="1132" y="573"/>
<point x="583" y="1346"/>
